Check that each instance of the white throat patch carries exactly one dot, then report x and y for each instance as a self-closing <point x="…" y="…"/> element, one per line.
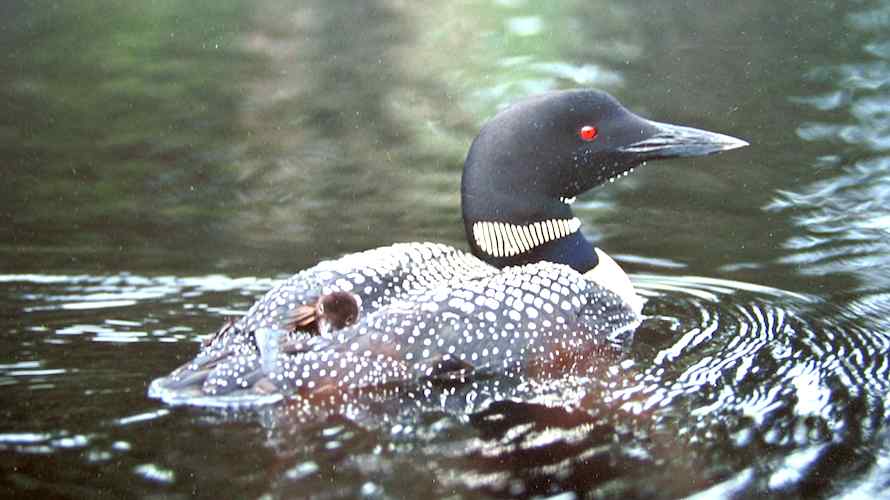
<point x="501" y="239"/>
<point x="608" y="274"/>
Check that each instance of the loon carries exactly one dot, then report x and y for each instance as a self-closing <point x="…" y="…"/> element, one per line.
<point x="532" y="291"/>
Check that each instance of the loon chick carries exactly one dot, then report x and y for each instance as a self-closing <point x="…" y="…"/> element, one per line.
<point x="532" y="292"/>
<point x="331" y="312"/>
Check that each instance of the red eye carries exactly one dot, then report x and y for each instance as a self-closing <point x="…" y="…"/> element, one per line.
<point x="587" y="133"/>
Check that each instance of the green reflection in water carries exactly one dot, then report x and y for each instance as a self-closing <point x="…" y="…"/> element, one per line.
<point x="121" y="131"/>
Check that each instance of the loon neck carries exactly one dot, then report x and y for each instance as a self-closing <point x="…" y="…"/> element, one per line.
<point x="513" y="230"/>
<point x="573" y="250"/>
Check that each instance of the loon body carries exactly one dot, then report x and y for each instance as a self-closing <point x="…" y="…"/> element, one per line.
<point x="533" y="291"/>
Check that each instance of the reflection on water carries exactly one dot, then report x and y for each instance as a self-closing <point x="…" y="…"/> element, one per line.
<point x="160" y="154"/>
<point x="844" y="214"/>
<point x="844" y="218"/>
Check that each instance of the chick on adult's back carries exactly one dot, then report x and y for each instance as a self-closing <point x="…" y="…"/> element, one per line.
<point x="534" y="291"/>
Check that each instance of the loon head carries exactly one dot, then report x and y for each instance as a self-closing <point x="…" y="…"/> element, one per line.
<point x="529" y="162"/>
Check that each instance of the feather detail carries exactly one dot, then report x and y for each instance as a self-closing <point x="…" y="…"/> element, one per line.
<point x="304" y="317"/>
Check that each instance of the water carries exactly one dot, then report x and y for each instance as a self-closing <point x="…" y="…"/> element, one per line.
<point x="165" y="163"/>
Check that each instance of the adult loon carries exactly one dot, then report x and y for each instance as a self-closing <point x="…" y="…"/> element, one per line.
<point x="532" y="292"/>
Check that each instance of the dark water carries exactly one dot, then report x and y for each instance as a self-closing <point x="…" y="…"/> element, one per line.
<point x="164" y="162"/>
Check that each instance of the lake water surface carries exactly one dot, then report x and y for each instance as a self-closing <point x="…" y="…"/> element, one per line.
<point x="165" y="162"/>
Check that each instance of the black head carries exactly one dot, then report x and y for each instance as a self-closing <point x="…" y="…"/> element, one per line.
<point x="540" y="152"/>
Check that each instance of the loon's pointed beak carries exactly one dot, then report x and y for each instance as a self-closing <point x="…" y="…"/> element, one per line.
<point x="672" y="141"/>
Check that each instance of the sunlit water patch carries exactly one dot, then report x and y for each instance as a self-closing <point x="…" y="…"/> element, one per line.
<point x="113" y="298"/>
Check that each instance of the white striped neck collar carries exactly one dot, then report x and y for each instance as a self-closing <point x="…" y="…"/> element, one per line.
<point x="503" y="239"/>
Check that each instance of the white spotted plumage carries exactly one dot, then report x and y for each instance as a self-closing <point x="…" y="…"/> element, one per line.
<point x="442" y="305"/>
